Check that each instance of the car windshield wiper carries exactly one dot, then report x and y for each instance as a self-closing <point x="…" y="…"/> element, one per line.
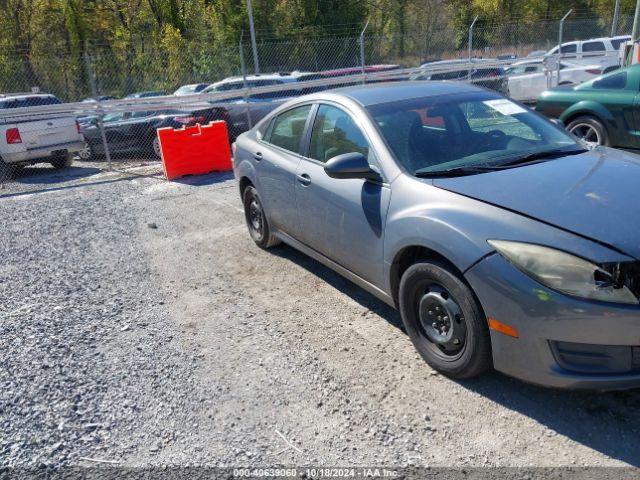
<point x="533" y="157"/>
<point x="458" y="171"/>
<point x="529" y="158"/>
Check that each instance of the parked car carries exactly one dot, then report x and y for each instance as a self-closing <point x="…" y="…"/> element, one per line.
<point x="190" y="89"/>
<point x="99" y="98"/>
<point x="343" y="72"/>
<point x="147" y="94"/>
<point x="38" y="137"/>
<point x="251" y="81"/>
<point x="135" y="132"/>
<point x="527" y="79"/>
<point x="601" y="111"/>
<point x="602" y="50"/>
<point x="493" y="78"/>
<point x="537" y="53"/>
<point x="502" y="240"/>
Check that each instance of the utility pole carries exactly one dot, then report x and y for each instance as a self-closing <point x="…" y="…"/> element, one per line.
<point x="252" y="31"/>
<point x="627" y="59"/>
<point x="560" y="30"/>
<point x="636" y="23"/>
<point x="614" y="23"/>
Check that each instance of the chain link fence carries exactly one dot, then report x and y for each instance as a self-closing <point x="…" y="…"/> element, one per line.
<point x="105" y="105"/>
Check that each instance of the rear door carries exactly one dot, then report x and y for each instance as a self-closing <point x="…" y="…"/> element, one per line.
<point x="275" y="160"/>
<point x="341" y="218"/>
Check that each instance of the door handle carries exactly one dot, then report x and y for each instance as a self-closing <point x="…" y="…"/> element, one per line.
<point x="304" y="179"/>
<point x="257" y="156"/>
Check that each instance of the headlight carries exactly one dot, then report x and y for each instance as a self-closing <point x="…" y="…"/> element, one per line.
<point x="564" y="272"/>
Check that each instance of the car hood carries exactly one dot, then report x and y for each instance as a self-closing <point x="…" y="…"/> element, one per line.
<point x="593" y="194"/>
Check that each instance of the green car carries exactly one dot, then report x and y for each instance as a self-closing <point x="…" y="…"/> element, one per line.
<point x="603" y="110"/>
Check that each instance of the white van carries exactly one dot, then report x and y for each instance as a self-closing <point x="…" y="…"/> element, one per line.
<point x="603" y="51"/>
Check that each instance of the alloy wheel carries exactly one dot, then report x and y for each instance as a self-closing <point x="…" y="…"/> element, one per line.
<point x="156" y="147"/>
<point x="587" y="132"/>
<point x="85" y="153"/>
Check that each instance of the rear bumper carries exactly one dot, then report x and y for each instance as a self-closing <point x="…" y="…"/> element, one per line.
<point x="42" y="153"/>
<point x="562" y="341"/>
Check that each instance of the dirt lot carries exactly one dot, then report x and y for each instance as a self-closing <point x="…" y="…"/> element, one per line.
<point x="140" y="325"/>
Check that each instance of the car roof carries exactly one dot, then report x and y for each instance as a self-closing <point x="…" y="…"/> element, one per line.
<point x="8" y="96"/>
<point x="377" y="93"/>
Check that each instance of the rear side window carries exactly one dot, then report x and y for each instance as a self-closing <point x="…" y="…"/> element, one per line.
<point x="614" y="82"/>
<point x="593" y="47"/>
<point x="616" y="42"/>
<point x="335" y="133"/>
<point x="287" y="129"/>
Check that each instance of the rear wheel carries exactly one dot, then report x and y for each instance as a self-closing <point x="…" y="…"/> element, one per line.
<point x="589" y="129"/>
<point x="444" y="320"/>
<point x="62" y="162"/>
<point x="256" y="219"/>
<point x="6" y="171"/>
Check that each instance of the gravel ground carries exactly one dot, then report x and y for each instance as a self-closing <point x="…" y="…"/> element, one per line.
<point x="140" y="325"/>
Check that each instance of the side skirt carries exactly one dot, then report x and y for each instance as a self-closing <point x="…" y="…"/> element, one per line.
<point x="327" y="262"/>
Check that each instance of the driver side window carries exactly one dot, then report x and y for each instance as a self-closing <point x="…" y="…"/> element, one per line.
<point x="334" y="133"/>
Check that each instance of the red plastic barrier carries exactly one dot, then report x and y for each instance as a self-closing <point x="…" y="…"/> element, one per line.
<point x="195" y="150"/>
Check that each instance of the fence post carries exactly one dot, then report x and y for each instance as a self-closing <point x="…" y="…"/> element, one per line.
<point x="94" y="93"/>
<point x="252" y="32"/>
<point x="560" y="46"/>
<point x="616" y="17"/>
<point x="471" y="46"/>
<point x="243" y="67"/>
<point x="362" y="59"/>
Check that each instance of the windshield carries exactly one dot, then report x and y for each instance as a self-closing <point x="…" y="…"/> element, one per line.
<point x="435" y="134"/>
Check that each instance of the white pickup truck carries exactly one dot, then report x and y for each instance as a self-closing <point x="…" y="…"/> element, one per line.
<point x="36" y="138"/>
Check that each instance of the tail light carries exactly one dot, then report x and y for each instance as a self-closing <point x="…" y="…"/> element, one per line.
<point x="190" y="119"/>
<point x="78" y="127"/>
<point x="233" y="149"/>
<point x="13" y="136"/>
<point x="594" y="71"/>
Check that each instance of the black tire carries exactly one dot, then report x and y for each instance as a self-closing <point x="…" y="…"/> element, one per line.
<point x="87" y="152"/>
<point x="590" y="129"/>
<point x="256" y="219"/>
<point x="62" y="162"/>
<point x="6" y="171"/>
<point x="155" y="147"/>
<point x="432" y="291"/>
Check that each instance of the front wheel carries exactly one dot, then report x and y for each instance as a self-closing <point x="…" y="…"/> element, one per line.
<point x="444" y="320"/>
<point x="256" y="219"/>
<point x="86" y="153"/>
<point x="589" y="129"/>
<point x="155" y="146"/>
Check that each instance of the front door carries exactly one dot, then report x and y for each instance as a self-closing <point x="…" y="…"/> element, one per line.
<point x="341" y="218"/>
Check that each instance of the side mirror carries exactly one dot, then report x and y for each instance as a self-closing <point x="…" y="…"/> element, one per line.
<point x="350" y="165"/>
